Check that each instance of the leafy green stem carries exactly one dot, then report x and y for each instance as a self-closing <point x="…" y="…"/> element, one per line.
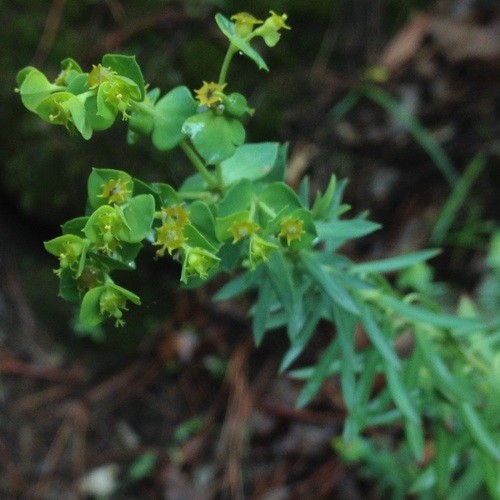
<point x="202" y="169"/>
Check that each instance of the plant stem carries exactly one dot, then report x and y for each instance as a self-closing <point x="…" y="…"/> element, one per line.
<point x="195" y="160"/>
<point x="232" y="49"/>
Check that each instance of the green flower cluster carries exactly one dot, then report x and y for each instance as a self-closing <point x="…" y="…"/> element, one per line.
<point x="84" y="102"/>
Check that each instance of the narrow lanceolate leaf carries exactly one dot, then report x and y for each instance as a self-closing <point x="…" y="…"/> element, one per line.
<point x="478" y="430"/>
<point x="300" y="341"/>
<point x="394" y="263"/>
<point x="280" y="276"/>
<point x="442" y="378"/>
<point x="415" y="436"/>
<point x="325" y="281"/>
<point x="423" y="315"/>
<point x="320" y="373"/>
<point x="381" y="343"/>
<point x="345" y="229"/>
<point x="400" y="394"/>
<point x="261" y="309"/>
<point x="346" y="324"/>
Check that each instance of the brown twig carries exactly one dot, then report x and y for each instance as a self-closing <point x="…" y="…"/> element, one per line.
<point x="49" y="32"/>
<point x="56" y="450"/>
<point x="13" y="475"/>
<point x="16" y="367"/>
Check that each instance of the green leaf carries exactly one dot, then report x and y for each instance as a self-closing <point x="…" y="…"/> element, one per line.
<point x="340" y="231"/>
<point x="261" y="309"/>
<point x="55" y="245"/>
<point x="238" y="198"/>
<point x="126" y="66"/>
<point x="381" y="343"/>
<point x="69" y="63"/>
<point x="68" y="286"/>
<point x="79" y="117"/>
<point x="104" y="108"/>
<point x="98" y="179"/>
<point x="277" y="172"/>
<point x="202" y="219"/>
<point x="239" y="285"/>
<point x="320" y="373"/>
<point x="280" y="276"/>
<point x="227" y="27"/>
<point x="277" y="198"/>
<point x="34" y="88"/>
<point x="126" y="293"/>
<point x="138" y="215"/>
<point x="90" y="311"/>
<point x="250" y="161"/>
<point x="478" y="430"/>
<point x="415" y="436"/>
<point x="196" y="239"/>
<point x="442" y="378"/>
<point x="422" y="315"/>
<point x="400" y="394"/>
<point x="443" y="445"/>
<point x="79" y="84"/>
<point x="459" y="196"/>
<point x="215" y="137"/>
<point x="345" y="323"/>
<point x="170" y="113"/>
<point x="392" y="264"/>
<point x="121" y="259"/>
<point x="75" y="226"/>
<point x="325" y="281"/>
<point x="97" y="122"/>
<point x="23" y="73"/>
<point x="324" y="201"/>
<point x="299" y="342"/>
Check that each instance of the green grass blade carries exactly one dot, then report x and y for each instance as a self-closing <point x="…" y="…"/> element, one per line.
<point x="457" y="198"/>
<point x="419" y="133"/>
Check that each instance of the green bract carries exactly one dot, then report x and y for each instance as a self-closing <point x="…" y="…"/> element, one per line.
<point x="237" y="215"/>
<point x="214" y="136"/>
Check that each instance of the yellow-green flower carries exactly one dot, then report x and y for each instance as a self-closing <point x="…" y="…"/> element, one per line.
<point x="210" y="93"/>
<point x="198" y="261"/>
<point x="170" y="237"/>
<point x="116" y="191"/>
<point x="98" y="75"/>
<point x="269" y="31"/>
<point x="260" y="250"/>
<point x="111" y="304"/>
<point x="291" y="229"/>
<point x="177" y="213"/>
<point x="110" y="224"/>
<point x="243" y="228"/>
<point x="244" y="23"/>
